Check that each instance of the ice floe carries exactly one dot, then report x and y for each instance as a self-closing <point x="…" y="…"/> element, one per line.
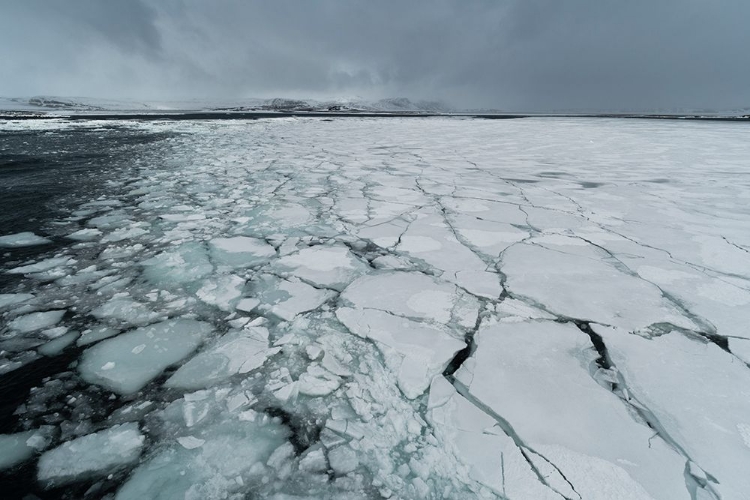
<point x="22" y="240"/>
<point x="94" y="454"/>
<point x="129" y="361"/>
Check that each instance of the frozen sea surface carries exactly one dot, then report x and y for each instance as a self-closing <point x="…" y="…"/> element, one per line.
<point x="417" y="308"/>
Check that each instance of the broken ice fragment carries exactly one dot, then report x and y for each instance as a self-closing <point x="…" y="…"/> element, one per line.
<point x="9" y="299"/>
<point x="85" y="235"/>
<point x="240" y="251"/>
<point x="166" y="343"/>
<point x="91" y="455"/>
<point x="236" y="352"/>
<point x="125" y="309"/>
<point x="18" y="240"/>
<point x="58" y="345"/>
<point x="232" y="449"/>
<point x="414" y="351"/>
<point x="222" y="291"/>
<point x="184" y="264"/>
<point x="329" y="267"/>
<point x="285" y="299"/>
<point x="343" y="460"/>
<point x="412" y="295"/>
<point x="15" y="448"/>
<point x="36" y="321"/>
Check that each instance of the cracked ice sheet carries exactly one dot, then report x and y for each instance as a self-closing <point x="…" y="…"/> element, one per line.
<point x="413" y="295"/>
<point x="219" y="202"/>
<point x="536" y="376"/>
<point x="492" y="456"/>
<point x="700" y="396"/>
<point x="430" y="239"/>
<point x="586" y="288"/>
<point x="416" y="352"/>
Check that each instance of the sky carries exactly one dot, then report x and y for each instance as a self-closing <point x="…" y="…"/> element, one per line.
<point x="515" y="55"/>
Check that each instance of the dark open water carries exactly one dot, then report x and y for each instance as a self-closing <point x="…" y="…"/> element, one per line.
<point x="44" y="175"/>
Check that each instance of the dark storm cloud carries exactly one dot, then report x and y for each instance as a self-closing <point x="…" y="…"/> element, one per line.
<point x="514" y="54"/>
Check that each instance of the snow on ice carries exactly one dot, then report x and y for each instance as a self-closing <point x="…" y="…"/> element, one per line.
<point x="392" y="308"/>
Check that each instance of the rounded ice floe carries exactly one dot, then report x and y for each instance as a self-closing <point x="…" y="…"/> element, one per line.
<point x="330" y="267"/>
<point x="240" y="251"/>
<point x="184" y="264"/>
<point x="92" y="455"/>
<point x="19" y="240"/>
<point x="222" y="291"/>
<point x="36" y="321"/>
<point x="128" y="362"/>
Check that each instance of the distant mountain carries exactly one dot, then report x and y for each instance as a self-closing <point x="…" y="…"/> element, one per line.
<point x="83" y="105"/>
<point x="64" y="105"/>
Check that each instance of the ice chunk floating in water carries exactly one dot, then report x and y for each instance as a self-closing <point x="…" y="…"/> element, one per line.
<point x="131" y="360"/>
<point x="97" y="453"/>
<point x="22" y="240"/>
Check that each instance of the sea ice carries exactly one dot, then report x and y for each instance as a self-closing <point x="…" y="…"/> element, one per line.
<point x="240" y="251"/>
<point x="416" y="352"/>
<point x="128" y="362"/>
<point x="185" y="264"/>
<point x="211" y="470"/>
<point x="582" y="288"/>
<point x="483" y="445"/>
<point x="58" y="345"/>
<point x="126" y="310"/>
<point x="22" y="240"/>
<point x="96" y="334"/>
<point x="9" y="299"/>
<point x="36" y="321"/>
<point x="235" y="352"/>
<point x="88" y="234"/>
<point x="42" y="266"/>
<point x="329" y="267"/>
<point x="698" y="393"/>
<point x="412" y="295"/>
<point x="17" y="448"/>
<point x="91" y="455"/>
<point x="382" y="253"/>
<point x="222" y="291"/>
<point x="285" y="299"/>
<point x="516" y="372"/>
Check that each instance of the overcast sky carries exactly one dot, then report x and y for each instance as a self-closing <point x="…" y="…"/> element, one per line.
<point x="505" y="54"/>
